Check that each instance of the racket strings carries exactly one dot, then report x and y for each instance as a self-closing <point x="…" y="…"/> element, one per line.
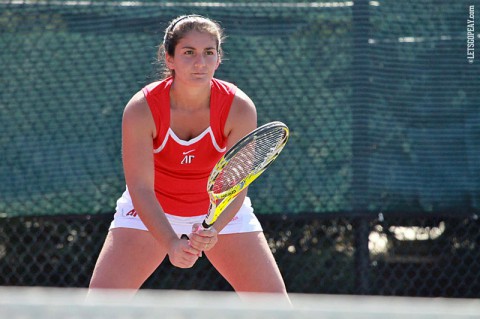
<point x="253" y="157"/>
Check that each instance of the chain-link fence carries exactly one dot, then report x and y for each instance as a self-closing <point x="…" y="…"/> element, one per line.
<point x="399" y="255"/>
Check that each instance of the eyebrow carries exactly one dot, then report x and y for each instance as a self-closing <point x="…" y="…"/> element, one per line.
<point x="192" y="48"/>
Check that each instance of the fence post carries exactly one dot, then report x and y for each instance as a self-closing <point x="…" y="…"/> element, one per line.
<point x="360" y="139"/>
<point x="362" y="255"/>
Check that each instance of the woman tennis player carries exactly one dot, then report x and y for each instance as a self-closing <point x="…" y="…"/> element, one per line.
<point x="173" y="133"/>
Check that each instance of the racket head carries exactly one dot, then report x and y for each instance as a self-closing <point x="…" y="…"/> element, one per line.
<point x="242" y="164"/>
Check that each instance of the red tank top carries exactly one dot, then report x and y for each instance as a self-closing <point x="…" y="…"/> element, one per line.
<point x="182" y="167"/>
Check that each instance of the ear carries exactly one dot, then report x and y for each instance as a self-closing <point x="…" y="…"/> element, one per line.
<point x="169" y="61"/>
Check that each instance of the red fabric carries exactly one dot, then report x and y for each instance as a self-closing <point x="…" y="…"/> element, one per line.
<point x="182" y="167"/>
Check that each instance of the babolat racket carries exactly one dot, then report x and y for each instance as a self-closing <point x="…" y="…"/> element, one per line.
<point x="241" y="165"/>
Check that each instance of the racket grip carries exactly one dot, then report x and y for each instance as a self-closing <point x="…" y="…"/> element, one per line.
<point x="205" y="225"/>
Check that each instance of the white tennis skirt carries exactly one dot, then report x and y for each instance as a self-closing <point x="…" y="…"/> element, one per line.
<point x="126" y="217"/>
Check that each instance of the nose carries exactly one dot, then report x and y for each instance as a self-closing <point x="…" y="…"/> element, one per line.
<point x="200" y="60"/>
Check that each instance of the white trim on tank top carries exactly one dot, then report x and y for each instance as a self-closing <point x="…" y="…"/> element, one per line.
<point x="171" y="133"/>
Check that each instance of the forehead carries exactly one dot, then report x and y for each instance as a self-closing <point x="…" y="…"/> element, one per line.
<point x="196" y="38"/>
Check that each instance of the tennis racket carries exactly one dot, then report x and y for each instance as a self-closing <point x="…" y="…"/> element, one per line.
<point x="241" y="165"/>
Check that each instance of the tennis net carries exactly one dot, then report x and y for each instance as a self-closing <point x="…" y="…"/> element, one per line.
<point x="64" y="303"/>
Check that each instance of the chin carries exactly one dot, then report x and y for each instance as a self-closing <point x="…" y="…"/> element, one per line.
<point x="201" y="79"/>
<point x="195" y="79"/>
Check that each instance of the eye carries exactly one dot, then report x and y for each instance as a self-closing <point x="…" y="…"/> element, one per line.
<point x="188" y="52"/>
<point x="210" y="52"/>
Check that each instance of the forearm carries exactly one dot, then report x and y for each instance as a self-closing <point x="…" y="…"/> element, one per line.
<point x="153" y="216"/>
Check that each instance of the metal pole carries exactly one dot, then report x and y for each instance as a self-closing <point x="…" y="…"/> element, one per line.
<point x="361" y="144"/>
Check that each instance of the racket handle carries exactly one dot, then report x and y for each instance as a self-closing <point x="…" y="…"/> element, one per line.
<point x="204" y="226"/>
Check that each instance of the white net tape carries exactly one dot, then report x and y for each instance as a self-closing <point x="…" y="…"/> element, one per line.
<point x="64" y="303"/>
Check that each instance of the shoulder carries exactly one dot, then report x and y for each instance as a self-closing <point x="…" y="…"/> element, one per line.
<point x="243" y="107"/>
<point x="137" y="113"/>
<point x="158" y="87"/>
<point x="223" y="87"/>
<point x="242" y="118"/>
<point x="139" y="103"/>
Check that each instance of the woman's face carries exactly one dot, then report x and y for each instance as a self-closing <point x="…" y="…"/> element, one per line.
<point x="196" y="58"/>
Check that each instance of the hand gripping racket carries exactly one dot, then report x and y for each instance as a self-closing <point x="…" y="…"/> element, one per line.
<point x="241" y="165"/>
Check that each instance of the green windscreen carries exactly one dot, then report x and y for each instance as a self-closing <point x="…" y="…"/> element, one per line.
<point x="381" y="99"/>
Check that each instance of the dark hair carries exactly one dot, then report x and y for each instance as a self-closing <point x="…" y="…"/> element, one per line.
<point x="179" y="27"/>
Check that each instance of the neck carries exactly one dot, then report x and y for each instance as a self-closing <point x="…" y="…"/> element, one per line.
<point x="188" y="97"/>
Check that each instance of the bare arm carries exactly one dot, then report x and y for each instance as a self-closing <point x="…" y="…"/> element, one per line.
<point x="138" y="130"/>
<point x="241" y="120"/>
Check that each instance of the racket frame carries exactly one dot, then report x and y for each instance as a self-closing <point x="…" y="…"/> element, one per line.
<point x="226" y="197"/>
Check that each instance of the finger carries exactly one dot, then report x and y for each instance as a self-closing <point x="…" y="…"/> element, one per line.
<point x="209" y="247"/>
<point x="189" y="258"/>
<point x="206" y="236"/>
<point x="205" y="232"/>
<point x="198" y="242"/>
<point x="187" y="263"/>
<point x="197" y="252"/>
<point x="184" y="260"/>
<point x="190" y="249"/>
<point x="193" y="243"/>
<point x="202" y="237"/>
<point x="197" y="228"/>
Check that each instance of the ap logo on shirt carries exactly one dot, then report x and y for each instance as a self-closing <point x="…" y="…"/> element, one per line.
<point x="187" y="157"/>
